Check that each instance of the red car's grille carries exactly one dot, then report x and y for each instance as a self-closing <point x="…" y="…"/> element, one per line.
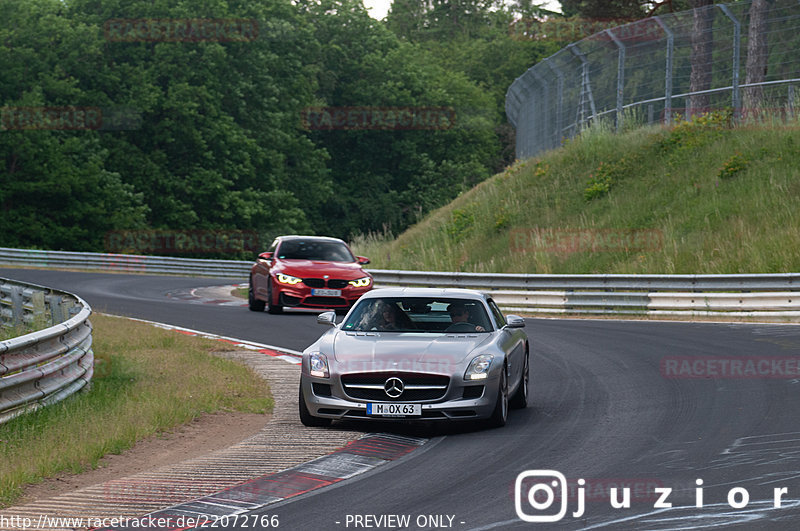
<point x="334" y="283"/>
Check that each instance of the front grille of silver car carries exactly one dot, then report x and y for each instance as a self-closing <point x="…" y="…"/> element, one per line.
<point x="417" y="387"/>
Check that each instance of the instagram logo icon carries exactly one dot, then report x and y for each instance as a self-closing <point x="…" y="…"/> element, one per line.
<point x="539" y="489"/>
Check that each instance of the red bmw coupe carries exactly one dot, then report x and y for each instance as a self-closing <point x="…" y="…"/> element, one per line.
<point x="307" y="272"/>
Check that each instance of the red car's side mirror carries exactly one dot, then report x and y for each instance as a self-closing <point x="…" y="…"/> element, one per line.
<point x="363" y="260"/>
<point x="265" y="256"/>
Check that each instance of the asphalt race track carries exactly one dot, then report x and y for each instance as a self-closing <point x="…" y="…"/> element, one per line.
<point x="642" y="405"/>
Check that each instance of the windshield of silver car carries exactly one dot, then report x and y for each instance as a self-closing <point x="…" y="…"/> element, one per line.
<point x="418" y="314"/>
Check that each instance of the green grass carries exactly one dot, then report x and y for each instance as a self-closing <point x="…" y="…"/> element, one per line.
<point x="10" y="331"/>
<point x="146" y="381"/>
<point x="240" y="292"/>
<point x="723" y="199"/>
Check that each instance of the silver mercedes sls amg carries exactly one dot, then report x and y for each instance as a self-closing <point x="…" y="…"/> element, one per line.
<point x="416" y="354"/>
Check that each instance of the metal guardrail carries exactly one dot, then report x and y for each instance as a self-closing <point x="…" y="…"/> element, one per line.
<point x="504" y="281"/>
<point x="758" y="295"/>
<point x="642" y="72"/>
<point x="130" y="263"/>
<point x="43" y="367"/>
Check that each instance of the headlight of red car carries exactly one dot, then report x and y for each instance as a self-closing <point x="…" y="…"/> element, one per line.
<point x="288" y="279"/>
<point x="361" y="282"/>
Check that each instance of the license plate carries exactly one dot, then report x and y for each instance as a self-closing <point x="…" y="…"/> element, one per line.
<point x="327" y="292"/>
<point x="394" y="410"/>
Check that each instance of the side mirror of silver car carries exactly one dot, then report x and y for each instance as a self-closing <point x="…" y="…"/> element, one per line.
<point x="514" y="321"/>
<point x="327" y="318"/>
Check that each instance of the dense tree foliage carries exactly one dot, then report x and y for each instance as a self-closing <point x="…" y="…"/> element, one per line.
<point x="622" y="9"/>
<point x="56" y="187"/>
<point x="482" y="46"/>
<point x="603" y="9"/>
<point x="386" y="178"/>
<point x="214" y="135"/>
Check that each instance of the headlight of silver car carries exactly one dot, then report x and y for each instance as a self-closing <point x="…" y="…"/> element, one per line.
<point x="479" y="367"/>
<point x="361" y="282"/>
<point x="318" y="365"/>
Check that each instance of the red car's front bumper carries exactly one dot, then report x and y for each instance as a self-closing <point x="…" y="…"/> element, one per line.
<point x="303" y="296"/>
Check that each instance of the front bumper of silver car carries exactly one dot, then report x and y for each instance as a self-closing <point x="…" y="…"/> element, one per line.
<point x="463" y="400"/>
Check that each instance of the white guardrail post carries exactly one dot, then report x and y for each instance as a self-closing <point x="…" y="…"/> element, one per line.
<point x="45" y="366"/>
<point x="752" y="295"/>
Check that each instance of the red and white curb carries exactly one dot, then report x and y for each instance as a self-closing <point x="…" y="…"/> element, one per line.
<point x="285" y="354"/>
<point x="233" y="504"/>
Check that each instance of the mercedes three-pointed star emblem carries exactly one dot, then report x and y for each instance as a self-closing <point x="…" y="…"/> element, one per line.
<point x="394" y="387"/>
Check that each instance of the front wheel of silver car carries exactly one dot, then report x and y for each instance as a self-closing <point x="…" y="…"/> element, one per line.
<point x="307" y="418"/>
<point x="500" y="413"/>
<point x="520" y="398"/>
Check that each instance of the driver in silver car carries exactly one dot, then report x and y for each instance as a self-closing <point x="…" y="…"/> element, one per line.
<point x="459" y="314"/>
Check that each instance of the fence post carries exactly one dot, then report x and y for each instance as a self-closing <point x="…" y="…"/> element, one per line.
<point x="37" y="301"/>
<point x="737" y="41"/>
<point x="668" y="73"/>
<point x="527" y="141"/>
<point x="791" y="100"/>
<point x="558" y="133"/>
<point x="620" y="75"/>
<point x="17" y="309"/>
<point x="586" y="86"/>
<point x="56" y="311"/>
<point x="546" y="107"/>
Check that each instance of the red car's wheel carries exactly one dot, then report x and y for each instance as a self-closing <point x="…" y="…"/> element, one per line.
<point x="254" y="304"/>
<point x="271" y="306"/>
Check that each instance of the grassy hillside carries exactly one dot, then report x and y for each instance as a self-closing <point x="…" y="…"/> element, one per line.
<point x="699" y="197"/>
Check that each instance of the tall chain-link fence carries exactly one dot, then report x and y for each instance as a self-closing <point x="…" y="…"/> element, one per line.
<point x="743" y="56"/>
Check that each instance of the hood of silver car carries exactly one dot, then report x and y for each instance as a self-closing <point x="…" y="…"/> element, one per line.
<point x="385" y="348"/>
